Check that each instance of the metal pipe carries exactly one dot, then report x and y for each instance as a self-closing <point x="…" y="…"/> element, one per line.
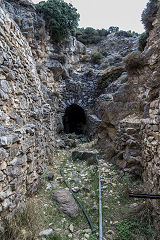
<point x="80" y="205"/>
<point x="149" y="196"/>
<point x="100" y="210"/>
<point x="100" y="205"/>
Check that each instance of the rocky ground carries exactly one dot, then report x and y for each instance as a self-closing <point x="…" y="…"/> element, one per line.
<point x="52" y="214"/>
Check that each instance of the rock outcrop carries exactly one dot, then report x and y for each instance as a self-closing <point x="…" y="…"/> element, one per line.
<point x="130" y="115"/>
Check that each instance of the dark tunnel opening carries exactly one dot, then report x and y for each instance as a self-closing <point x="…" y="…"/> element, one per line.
<point x="74" y="120"/>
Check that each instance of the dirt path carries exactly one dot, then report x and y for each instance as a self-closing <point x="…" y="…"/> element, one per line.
<point x="119" y="221"/>
<point x="123" y="218"/>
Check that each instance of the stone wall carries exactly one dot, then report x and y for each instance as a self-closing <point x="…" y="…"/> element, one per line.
<point x="151" y="151"/>
<point x="34" y="82"/>
<point x="27" y="118"/>
<point x="128" y="145"/>
<point x="150" y="126"/>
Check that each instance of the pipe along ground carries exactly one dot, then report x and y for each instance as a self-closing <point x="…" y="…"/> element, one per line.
<point x="100" y="209"/>
<point x="84" y="211"/>
<point x="147" y="196"/>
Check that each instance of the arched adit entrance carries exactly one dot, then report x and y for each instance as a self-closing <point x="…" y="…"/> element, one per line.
<point x="74" y="120"/>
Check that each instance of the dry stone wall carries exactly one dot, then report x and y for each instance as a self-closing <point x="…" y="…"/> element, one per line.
<point x="34" y="81"/>
<point x="150" y="127"/>
<point x="27" y="120"/>
<point x="151" y="151"/>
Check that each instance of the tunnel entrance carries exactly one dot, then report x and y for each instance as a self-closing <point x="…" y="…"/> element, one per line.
<point x="74" y="120"/>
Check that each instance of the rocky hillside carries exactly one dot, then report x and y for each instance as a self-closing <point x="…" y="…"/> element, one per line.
<point x="41" y="80"/>
<point x="129" y="132"/>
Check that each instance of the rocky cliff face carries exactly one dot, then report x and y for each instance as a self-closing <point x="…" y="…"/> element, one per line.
<point x="130" y="114"/>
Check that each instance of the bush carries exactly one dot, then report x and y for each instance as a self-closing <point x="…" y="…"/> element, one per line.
<point x="113" y="29"/>
<point x="96" y="57"/>
<point x="112" y="75"/>
<point x="103" y="32"/>
<point x="134" y="61"/>
<point x="61" y="18"/>
<point x="142" y="41"/>
<point x="149" y="13"/>
<point x="90" y="35"/>
<point x="122" y="33"/>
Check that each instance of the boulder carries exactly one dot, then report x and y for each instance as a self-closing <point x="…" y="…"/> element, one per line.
<point x="65" y="200"/>
<point x="87" y="155"/>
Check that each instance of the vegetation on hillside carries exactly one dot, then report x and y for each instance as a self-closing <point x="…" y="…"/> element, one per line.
<point x="96" y="57"/>
<point x="142" y="41"/>
<point x="147" y="18"/>
<point x="61" y="18"/>
<point x="149" y="13"/>
<point x="62" y="21"/>
<point x="90" y="35"/>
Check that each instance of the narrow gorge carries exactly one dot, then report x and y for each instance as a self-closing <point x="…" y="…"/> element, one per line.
<point x="50" y="91"/>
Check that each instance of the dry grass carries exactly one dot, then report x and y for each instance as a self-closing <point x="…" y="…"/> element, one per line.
<point x="22" y="226"/>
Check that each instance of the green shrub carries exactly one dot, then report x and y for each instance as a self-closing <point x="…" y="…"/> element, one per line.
<point x="122" y="33"/>
<point x="138" y="225"/>
<point x="103" y="32"/>
<point x="134" y="61"/>
<point x="90" y="35"/>
<point x="96" y="57"/>
<point x="149" y="13"/>
<point x="113" y="29"/>
<point x="142" y="41"/>
<point x="110" y="76"/>
<point x="61" y="18"/>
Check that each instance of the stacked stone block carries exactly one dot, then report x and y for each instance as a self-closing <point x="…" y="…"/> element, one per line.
<point x="151" y="151"/>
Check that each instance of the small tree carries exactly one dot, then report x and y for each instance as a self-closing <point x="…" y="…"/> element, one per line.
<point x="61" y="18"/>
